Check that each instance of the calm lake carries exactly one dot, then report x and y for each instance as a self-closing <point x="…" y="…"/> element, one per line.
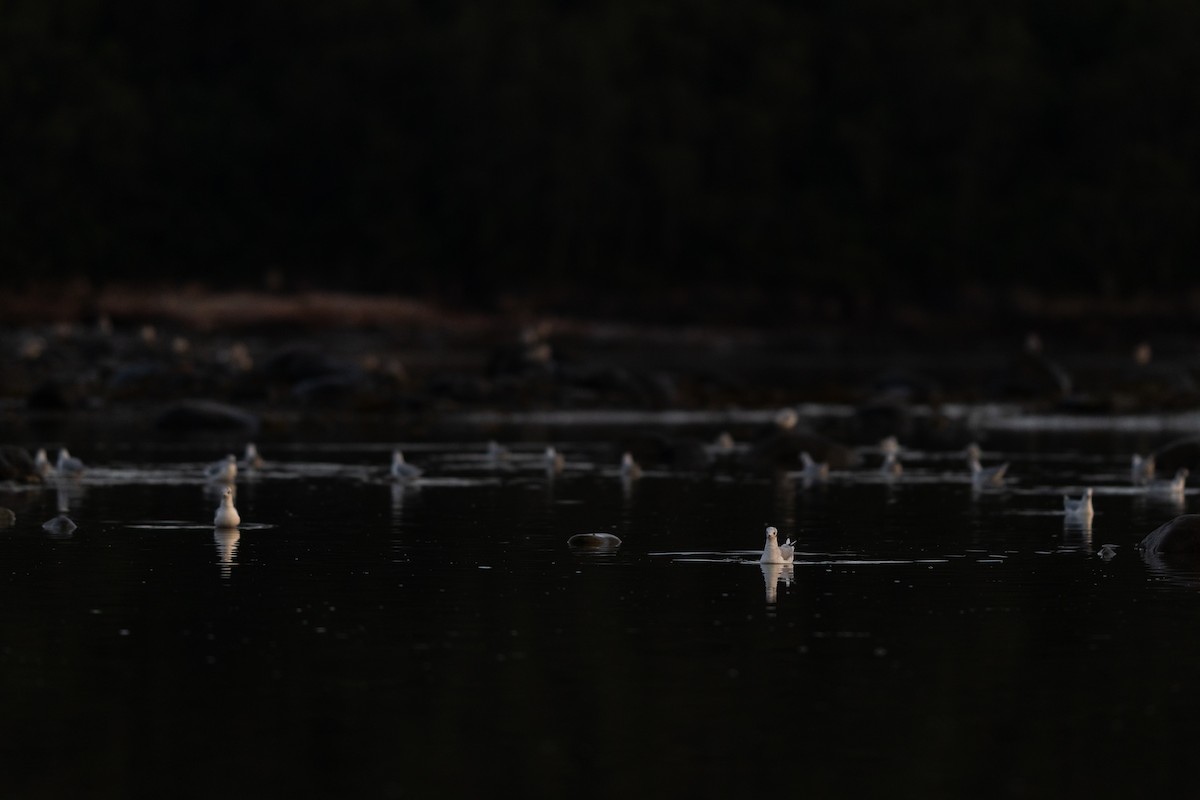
<point x="361" y="638"/>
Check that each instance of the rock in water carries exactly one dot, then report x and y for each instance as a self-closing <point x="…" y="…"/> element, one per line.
<point x="204" y="415"/>
<point x="16" y="465"/>
<point x="594" y="541"/>
<point x="62" y="525"/>
<point x="1180" y="535"/>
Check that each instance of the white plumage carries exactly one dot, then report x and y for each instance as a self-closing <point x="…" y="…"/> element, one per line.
<point x="223" y="471"/>
<point x="402" y="470"/>
<point x="776" y="553"/>
<point x="227" y="516"/>
<point x="991" y="477"/>
<point x="1078" y="510"/>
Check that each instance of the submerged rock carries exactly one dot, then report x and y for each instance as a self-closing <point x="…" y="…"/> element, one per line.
<point x="1178" y="454"/>
<point x="7" y="518"/>
<point x="299" y="363"/>
<point x="206" y="415"/>
<point x="1180" y="535"/>
<point x="62" y="525"/>
<point x="784" y="447"/>
<point x="594" y="541"/>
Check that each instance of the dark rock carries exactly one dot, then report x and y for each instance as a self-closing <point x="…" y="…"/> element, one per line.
<point x="907" y="387"/>
<point x="594" y="541"/>
<point x="141" y="377"/>
<point x="49" y="395"/>
<point x="884" y="416"/>
<point x="459" y="387"/>
<point x="62" y="525"/>
<point x="206" y="415"/>
<point x="1179" y="454"/>
<point x="1180" y="535"/>
<point x="334" y="389"/>
<point x="783" y="448"/>
<point x="17" y="465"/>
<point x="531" y="354"/>
<point x="1034" y="376"/>
<point x="7" y="518"/>
<point x="301" y="363"/>
<point x="678" y="453"/>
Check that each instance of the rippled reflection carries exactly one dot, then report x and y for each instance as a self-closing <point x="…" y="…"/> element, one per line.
<point x="69" y="493"/>
<point x="226" y="541"/>
<point x="773" y="574"/>
<point x="1078" y="534"/>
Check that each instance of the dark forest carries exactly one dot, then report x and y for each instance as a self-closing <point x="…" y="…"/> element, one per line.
<point x="470" y="149"/>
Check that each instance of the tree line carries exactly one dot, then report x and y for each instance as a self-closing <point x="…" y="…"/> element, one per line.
<point x="473" y="148"/>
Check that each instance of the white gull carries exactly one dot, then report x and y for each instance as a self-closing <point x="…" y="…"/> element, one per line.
<point x="1078" y="510"/>
<point x="775" y="553"/>
<point x="227" y="516"/>
<point x="402" y="470"/>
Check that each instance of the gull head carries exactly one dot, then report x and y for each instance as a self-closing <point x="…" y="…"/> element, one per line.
<point x="771" y="533"/>
<point x="787" y="418"/>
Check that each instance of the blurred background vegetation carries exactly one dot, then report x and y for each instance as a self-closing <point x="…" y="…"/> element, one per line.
<point x="468" y="149"/>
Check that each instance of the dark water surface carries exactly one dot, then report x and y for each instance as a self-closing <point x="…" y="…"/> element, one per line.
<point x="358" y="638"/>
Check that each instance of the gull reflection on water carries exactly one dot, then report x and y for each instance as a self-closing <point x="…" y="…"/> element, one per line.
<point x="226" y="540"/>
<point x="1078" y="534"/>
<point x="772" y="574"/>
<point x="68" y="493"/>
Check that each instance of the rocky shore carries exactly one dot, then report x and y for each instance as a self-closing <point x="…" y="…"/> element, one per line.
<point x="169" y="364"/>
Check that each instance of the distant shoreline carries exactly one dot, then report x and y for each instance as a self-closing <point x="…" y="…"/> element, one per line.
<point x="968" y="310"/>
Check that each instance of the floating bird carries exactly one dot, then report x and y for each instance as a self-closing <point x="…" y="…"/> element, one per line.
<point x="1141" y="470"/>
<point x="42" y="464"/>
<point x="786" y="419"/>
<point x="223" y="471"/>
<point x="721" y="450"/>
<point x="889" y="445"/>
<point x="68" y="463"/>
<point x="553" y="461"/>
<point x="812" y="470"/>
<point x="1173" y="486"/>
<point x="991" y="477"/>
<point x="251" y="458"/>
<point x="7" y="517"/>
<point x="227" y="516"/>
<point x="891" y="465"/>
<point x="775" y="553"/>
<point x="402" y="470"/>
<point x="629" y="467"/>
<point x="1079" y="510"/>
<point x="497" y="452"/>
